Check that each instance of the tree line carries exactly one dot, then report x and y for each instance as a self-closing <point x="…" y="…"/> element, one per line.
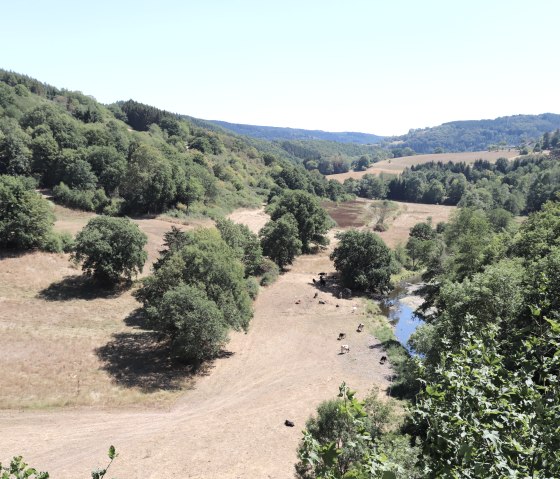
<point x="519" y="186"/>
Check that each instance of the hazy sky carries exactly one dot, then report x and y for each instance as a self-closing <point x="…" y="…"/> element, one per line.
<point x="373" y="66"/>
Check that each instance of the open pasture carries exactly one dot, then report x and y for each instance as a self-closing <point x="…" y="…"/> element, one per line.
<point x="362" y="214"/>
<point x="67" y="345"/>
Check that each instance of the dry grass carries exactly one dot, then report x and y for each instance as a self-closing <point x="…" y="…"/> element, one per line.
<point x="395" y="166"/>
<point x="230" y="423"/>
<point x="65" y="342"/>
<point x="362" y="213"/>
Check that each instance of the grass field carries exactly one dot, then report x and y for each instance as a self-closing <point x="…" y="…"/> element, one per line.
<point x="362" y="213"/>
<point x="395" y="166"/>
<point x="66" y="343"/>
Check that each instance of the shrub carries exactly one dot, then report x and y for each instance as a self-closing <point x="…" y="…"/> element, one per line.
<point x="87" y="200"/>
<point x="59" y="242"/>
<point x="270" y="271"/>
<point x="252" y="287"/>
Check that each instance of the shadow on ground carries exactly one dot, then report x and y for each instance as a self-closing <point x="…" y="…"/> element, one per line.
<point x="80" y="287"/>
<point x="144" y="359"/>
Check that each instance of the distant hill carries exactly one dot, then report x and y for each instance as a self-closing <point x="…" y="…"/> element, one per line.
<point x="474" y="135"/>
<point x="276" y="133"/>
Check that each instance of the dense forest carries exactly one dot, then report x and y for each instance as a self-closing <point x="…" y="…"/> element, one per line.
<point x="130" y="158"/>
<point x="478" y="135"/>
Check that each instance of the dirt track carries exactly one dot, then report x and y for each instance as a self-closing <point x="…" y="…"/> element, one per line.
<point x="230" y="425"/>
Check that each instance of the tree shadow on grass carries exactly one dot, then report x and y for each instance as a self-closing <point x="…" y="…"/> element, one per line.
<point x="145" y="359"/>
<point x="81" y="287"/>
<point x="141" y="360"/>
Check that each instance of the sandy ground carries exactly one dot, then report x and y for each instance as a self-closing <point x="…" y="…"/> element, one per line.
<point x="254" y="219"/>
<point x="230" y="423"/>
<point x="397" y="165"/>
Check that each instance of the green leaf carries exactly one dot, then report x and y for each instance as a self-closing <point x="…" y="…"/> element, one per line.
<point x="112" y="453"/>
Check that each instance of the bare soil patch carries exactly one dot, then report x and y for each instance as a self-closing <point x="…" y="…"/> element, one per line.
<point x="253" y="219"/>
<point x="395" y="166"/>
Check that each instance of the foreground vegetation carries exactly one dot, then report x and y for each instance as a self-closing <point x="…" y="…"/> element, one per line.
<point x="487" y="373"/>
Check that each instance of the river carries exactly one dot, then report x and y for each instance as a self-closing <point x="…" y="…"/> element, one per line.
<point x="399" y="307"/>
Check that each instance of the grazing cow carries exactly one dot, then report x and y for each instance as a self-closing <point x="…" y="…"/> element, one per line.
<point x="322" y="302"/>
<point x="354" y="308"/>
<point x="360" y="327"/>
<point x="341" y="336"/>
<point x="316" y="294"/>
<point x="338" y="305"/>
<point x="298" y="301"/>
<point x="344" y="349"/>
<point x="288" y="423"/>
<point x="383" y="360"/>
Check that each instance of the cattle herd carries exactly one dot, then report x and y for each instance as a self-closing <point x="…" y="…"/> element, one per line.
<point x="342" y="293"/>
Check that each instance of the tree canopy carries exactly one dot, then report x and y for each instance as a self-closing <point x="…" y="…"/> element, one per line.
<point x="311" y="218"/>
<point x="26" y="219"/>
<point x="363" y="261"/>
<point x="198" y="270"/>
<point x="109" y="248"/>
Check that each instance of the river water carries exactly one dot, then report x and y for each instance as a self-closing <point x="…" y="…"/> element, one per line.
<point x="399" y="310"/>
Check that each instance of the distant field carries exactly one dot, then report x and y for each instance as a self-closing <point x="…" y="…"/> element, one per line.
<point x="360" y="214"/>
<point x="396" y="166"/>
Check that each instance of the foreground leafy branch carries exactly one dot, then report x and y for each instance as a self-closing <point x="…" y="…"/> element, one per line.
<point x="20" y="470"/>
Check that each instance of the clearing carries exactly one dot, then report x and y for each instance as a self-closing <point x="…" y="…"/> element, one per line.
<point x="363" y="213"/>
<point x="395" y="166"/>
<point x="64" y="344"/>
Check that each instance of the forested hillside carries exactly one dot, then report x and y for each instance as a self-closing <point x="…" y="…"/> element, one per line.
<point x="130" y="158"/>
<point x="478" y="134"/>
<point x="277" y="133"/>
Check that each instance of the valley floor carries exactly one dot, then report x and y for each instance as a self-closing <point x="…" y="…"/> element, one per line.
<point x="229" y="424"/>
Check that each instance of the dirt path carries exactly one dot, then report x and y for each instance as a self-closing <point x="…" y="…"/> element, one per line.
<point x="230" y="425"/>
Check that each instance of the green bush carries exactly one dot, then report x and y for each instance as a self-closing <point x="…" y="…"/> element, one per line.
<point x="252" y="287"/>
<point x="26" y="218"/>
<point x="59" y="243"/>
<point x="87" y="200"/>
<point x="110" y="247"/>
<point x="269" y="271"/>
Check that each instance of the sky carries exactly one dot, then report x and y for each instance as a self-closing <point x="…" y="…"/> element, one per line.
<point x="374" y="66"/>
